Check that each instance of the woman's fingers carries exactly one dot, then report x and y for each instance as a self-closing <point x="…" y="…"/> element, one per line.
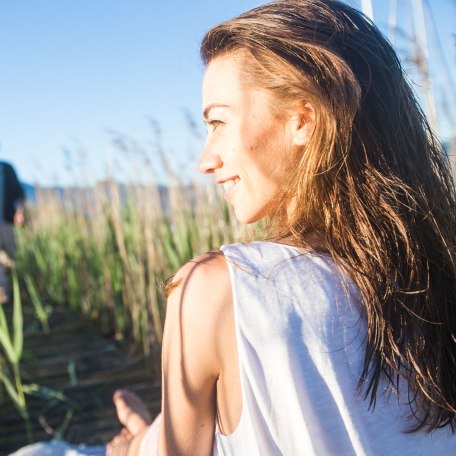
<point x="118" y="446"/>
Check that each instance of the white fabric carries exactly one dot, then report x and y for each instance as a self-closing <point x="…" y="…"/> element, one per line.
<point x="59" y="449"/>
<point x="148" y="446"/>
<point x="300" y="334"/>
<point x="149" y="443"/>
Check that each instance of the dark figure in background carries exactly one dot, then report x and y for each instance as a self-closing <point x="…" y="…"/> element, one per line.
<point x="11" y="214"/>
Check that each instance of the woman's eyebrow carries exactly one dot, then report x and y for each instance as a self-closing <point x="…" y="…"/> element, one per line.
<point x="211" y="106"/>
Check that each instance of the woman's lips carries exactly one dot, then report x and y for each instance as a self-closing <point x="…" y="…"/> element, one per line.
<point x="229" y="185"/>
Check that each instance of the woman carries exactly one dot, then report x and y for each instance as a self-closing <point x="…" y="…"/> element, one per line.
<point x="335" y="334"/>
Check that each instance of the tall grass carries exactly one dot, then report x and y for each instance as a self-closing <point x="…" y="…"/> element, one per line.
<point x="107" y="250"/>
<point x="11" y="342"/>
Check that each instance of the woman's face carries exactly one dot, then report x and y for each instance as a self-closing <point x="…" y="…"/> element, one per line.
<point x="248" y="148"/>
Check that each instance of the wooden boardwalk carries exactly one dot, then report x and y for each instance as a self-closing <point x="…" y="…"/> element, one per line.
<point x="87" y="368"/>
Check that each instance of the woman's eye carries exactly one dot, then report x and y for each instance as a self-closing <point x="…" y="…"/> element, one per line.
<point x="214" y="124"/>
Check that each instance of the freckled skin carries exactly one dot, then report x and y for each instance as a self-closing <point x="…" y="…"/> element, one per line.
<point x="246" y="144"/>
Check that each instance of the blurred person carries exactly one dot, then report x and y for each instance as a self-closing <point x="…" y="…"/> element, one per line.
<point x="12" y="214"/>
<point x="334" y="334"/>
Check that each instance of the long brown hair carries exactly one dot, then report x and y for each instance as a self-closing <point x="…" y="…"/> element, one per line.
<point x="372" y="182"/>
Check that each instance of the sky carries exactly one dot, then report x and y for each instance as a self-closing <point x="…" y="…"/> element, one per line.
<point x="91" y="89"/>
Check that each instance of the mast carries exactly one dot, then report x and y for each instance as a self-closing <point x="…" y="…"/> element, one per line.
<point x="367" y="9"/>
<point x="392" y="21"/>
<point x="422" y="60"/>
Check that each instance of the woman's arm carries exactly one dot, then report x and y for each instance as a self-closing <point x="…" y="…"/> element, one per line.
<point x="191" y="356"/>
<point x="197" y="334"/>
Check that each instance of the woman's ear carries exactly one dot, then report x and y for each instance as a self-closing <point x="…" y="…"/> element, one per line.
<point x="302" y="123"/>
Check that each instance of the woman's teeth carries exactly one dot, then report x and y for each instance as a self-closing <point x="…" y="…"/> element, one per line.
<point x="231" y="183"/>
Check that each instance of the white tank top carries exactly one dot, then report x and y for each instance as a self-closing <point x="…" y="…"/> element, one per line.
<point x="299" y="333"/>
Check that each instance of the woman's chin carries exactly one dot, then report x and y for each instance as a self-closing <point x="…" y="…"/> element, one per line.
<point x="247" y="217"/>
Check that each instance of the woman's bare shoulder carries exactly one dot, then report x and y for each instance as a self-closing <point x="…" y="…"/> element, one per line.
<point x="201" y="290"/>
<point x="200" y="304"/>
<point x="206" y="277"/>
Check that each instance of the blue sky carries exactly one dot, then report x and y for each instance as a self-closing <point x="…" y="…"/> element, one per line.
<point x="76" y="74"/>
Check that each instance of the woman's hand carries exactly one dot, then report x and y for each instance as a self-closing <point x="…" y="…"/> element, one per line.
<point x="19" y="216"/>
<point x="119" y="445"/>
<point x="134" y="416"/>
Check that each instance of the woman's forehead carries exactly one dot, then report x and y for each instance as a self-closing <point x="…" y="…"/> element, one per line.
<point x="222" y="70"/>
<point x="222" y="81"/>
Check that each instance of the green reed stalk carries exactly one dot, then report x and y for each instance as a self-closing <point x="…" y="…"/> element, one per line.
<point x="104" y="250"/>
<point x="41" y="311"/>
<point x="13" y="347"/>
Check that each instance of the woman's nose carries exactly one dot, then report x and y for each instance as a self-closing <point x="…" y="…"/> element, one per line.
<point x="209" y="161"/>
